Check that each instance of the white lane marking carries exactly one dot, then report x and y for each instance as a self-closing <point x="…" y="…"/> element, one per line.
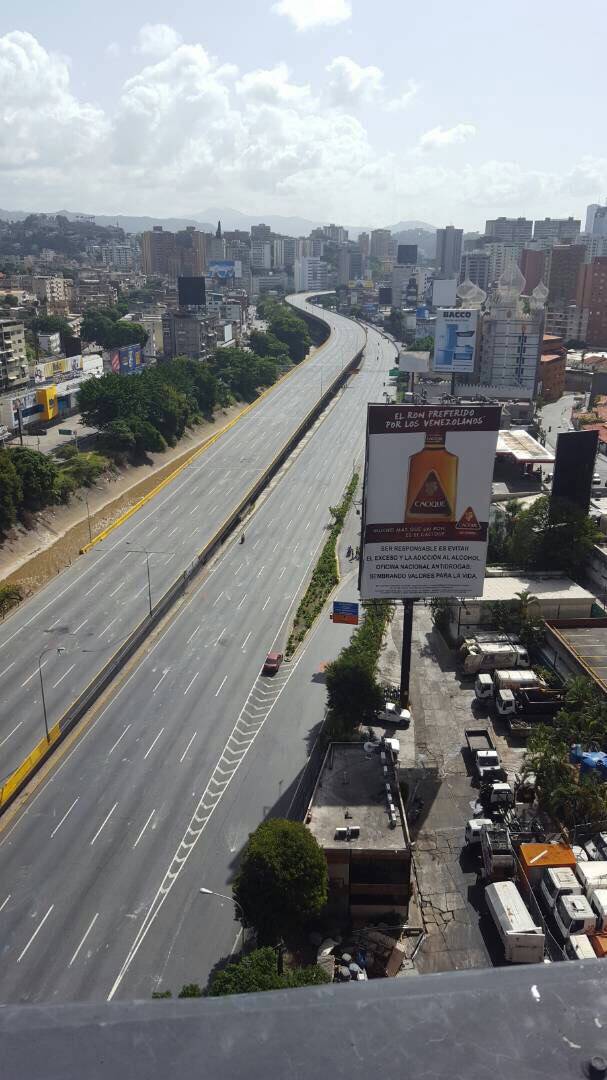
<point x="110" y="624"/>
<point x="209" y="801"/>
<point x="93" y="587"/>
<point x="143" y="588"/>
<point x="221" y="685"/>
<point x="144" y="828"/>
<point x="34" y="673"/>
<point x="266" y="603"/>
<point x="83" y="623"/>
<point x="53" y="624"/>
<point x="120" y="737"/>
<point x="282" y="572"/>
<point x="56" y="828"/>
<point x="218" y="639"/>
<point x="238" y="569"/>
<point x="256" y="543"/>
<point x="296" y="546"/>
<point x="7" y="669"/>
<point x="35" y="934"/>
<point x="5" y="902"/>
<point x="260" y="572"/>
<point x="212" y="490"/>
<point x="190" y="683"/>
<point x="104" y="823"/>
<point x="193" y="510"/>
<point x="176" y="529"/>
<point x="290" y="523"/>
<point x="274" y="548"/>
<point x="125" y="556"/>
<point x="307" y="526"/>
<point x="7" y="737"/>
<point x="171" y="556"/>
<point x="218" y="598"/>
<point x="118" y="588"/>
<point x="182" y="756"/>
<point x="193" y="634"/>
<point x="91" y="925"/>
<point x="149" y="750"/>
<point x="246" y="639"/>
<point x="64" y="676"/>
<point x="164" y="674"/>
<point x="241" y="602"/>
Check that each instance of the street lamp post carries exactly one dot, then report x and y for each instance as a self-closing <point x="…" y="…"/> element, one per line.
<point x="222" y="896"/>
<point x="88" y="514"/>
<point x="60" y="649"/>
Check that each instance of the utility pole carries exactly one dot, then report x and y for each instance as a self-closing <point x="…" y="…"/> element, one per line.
<point x="405" y="661"/>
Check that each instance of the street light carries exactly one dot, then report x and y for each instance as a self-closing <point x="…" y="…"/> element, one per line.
<point x="88" y="514"/>
<point x="60" y="650"/>
<point x="222" y="896"/>
<point x="147" y="552"/>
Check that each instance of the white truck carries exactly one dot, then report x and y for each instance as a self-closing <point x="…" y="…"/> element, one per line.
<point x="523" y="941"/>
<point x="558" y="881"/>
<point x="573" y="915"/>
<point x="592" y="875"/>
<point x="475" y="656"/>
<point x="486" y="685"/>
<point x="598" y="903"/>
<point x="487" y="764"/>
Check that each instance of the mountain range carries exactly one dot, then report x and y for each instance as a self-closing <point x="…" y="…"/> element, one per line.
<point x="207" y="221"/>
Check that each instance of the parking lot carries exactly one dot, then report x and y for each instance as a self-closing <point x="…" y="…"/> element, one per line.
<point x="441" y="798"/>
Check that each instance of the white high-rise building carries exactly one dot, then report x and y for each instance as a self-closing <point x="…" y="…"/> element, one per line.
<point x="599" y="223"/>
<point x="510" y="342"/>
<point x="310" y="273"/>
<point x="261" y="255"/>
<point x="590" y="212"/>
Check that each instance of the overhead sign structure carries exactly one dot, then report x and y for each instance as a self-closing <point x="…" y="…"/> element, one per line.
<point x="455" y="340"/>
<point x="344" y="612"/>
<point x="426" y="499"/>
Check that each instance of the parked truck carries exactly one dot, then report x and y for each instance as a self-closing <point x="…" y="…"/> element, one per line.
<point x="487" y="764"/>
<point x="523" y="709"/>
<point x="523" y="941"/>
<point x="487" y="685"/>
<point x="496" y="853"/>
<point x="476" y="656"/>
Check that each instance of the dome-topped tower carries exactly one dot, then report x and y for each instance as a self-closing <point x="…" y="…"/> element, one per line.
<point x="471" y="295"/>
<point x="539" y="296"/>
<point x="511" y="284"/>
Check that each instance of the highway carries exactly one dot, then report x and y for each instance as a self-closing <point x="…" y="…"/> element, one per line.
<point x="91" y="608"/>
<point x="101" y="868"/>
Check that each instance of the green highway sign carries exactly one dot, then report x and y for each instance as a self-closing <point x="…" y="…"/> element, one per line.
<point x="393" y="372"/>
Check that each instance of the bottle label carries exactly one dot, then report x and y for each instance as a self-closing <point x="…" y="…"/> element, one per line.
<point x="431" y="499"/>
<point x="469" y="521"/>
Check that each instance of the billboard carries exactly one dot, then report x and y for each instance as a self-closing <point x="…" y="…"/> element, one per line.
<point x="224" y="271"/>
<point x="455" y="340"/>
<point x="191" y="291"/>
<point x="345" y="612"/>
<point x="385" y="295"/>
<point x="126" y="361"/>
<point x="574" y="465"/>
<point x="428" y="473"/>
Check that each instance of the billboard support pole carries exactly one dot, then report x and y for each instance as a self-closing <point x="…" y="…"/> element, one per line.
<point x="405" y="660"/>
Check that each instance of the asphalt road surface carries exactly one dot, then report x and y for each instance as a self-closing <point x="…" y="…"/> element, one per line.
<point x="101" y="868"/>
<point x="91" y="608"/>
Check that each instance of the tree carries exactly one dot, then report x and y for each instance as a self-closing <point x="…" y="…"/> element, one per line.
<point x="10" y="596"/>
<point x="352" y="690"/>
<point x="290" y="329"/>
<point x="48" y="324"/>
<point x="11" y="491"/>
<point x="106" y="328"/>
<point x="38" y="475"/>
<point x="268" y="344"/>
<point x="118" y="436"/>
<point x="282" y="880"/>
<point x="259" y="971"/>
<point x="552" y="534"/>
<point x="11" y="300"/>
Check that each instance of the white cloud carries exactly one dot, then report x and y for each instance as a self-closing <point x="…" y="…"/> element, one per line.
<point x="157" y="40"/>
<point x="404" y="100"/>
<point x="307" y="14"/>
<point x="190" y="130"/>
<point x="438" y="137"/>
<point x="350" y="84"/>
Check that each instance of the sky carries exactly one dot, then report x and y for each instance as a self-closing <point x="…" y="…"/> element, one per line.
<point x="336" y="110"/>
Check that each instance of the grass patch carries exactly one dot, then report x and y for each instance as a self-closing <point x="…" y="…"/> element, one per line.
<point x="324" y="577"/>
<point x="353" y="693"/>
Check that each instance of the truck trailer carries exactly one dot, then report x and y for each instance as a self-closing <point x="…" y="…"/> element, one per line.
<point x="523" y="941"/>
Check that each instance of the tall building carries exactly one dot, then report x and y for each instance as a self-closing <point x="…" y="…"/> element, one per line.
<point x="406" y="255"/>
<point x="474" y="267"/>
<point x="310" y="273"/>
<point x="261" y="232"/>
<point x="186" y="333"/>
<point x="501" y="256"/>
<point x="509" y="230"/>
<point x="593" y="245"/>
<point x="261" y="254"/>
<point x="565" y="230"/>
<point x="336" y="233"/>
<point x="533" y="268"/>
<point x="381" y="244"/>
<point x="599" y="223"/>
<point x="448" y="251"/>
<point x="590" y="212"/>
<point x="190" y="254"/>
<point x="157" y="247"/>
<point x="563" y="264"/>
<point x="290" y="246"/>
<point x="511" y="340"/>
<point x="364" y="243"/>
<point x="592" y="298"/>
<point x="343" y="266"/>
<point x="13" y="357"/>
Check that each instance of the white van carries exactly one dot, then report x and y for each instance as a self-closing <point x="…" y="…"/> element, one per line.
<point x="558" y="881"/>
<point x="598" y="903"/>
<point x="473" y="831"/>
<point x="573" y="915"/>
<point x="578" y="947"/>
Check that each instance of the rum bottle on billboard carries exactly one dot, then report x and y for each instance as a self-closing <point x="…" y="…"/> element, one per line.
<point x="432" y="482"/>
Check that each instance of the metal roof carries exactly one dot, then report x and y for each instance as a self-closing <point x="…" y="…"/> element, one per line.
<point x="587" y="644"/>
<point x="521" y="446"/>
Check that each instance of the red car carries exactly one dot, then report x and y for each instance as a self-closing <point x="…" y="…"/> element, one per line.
<point x="272" y="663"/>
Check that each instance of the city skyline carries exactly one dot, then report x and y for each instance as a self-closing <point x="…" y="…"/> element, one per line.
<point x="310" y="109"/>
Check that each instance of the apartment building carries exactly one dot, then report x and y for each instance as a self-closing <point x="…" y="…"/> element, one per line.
<point x="448" y="251"/>
<point x="13" y="356"/>
<point x="310" y="273"/>
<point x="509" y="230"/>
<point x="561" y="230"/>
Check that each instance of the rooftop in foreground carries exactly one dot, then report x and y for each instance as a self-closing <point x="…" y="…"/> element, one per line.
<point x="584" y="643"/>
<point x="352" y="783"/>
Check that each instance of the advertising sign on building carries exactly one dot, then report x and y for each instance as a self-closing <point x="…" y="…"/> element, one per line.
<point x="224" y="271"/>
<point x="426" y="499"/>
<point x="126" y="360"/>
<point x="455" y="340"/>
